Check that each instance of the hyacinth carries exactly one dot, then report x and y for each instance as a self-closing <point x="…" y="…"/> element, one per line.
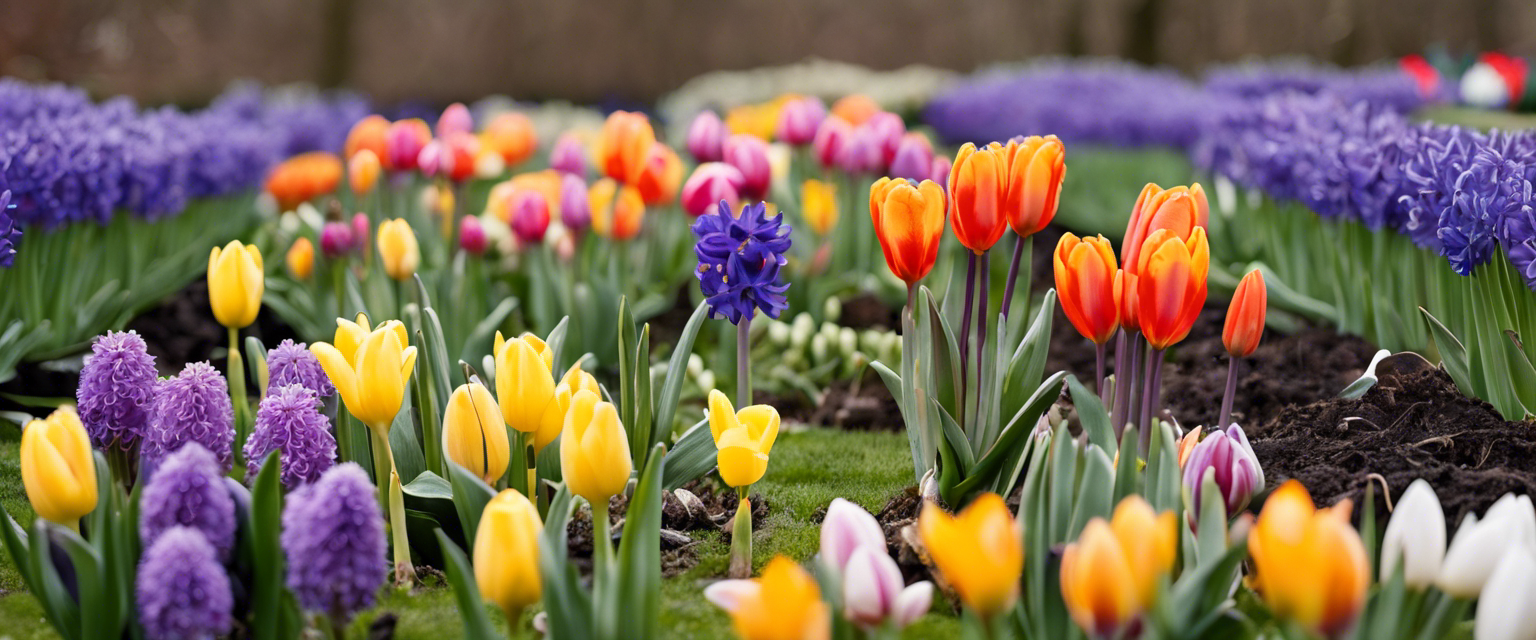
<point x="10" y="234"/>
<point x="1430" y="176"/>
<point x="181" y="589"/>
<point x="193" y="406"/>
<point x="292" y="363"/>
<point x="1493" y="196"/>
<point x="287" y="421"/>
<point x="187" y="489"/>
<point x="1385" y="87"/>
<point x="117" y="390"/>
<point x="333" y="536"/>
<point x="739" y="261"/>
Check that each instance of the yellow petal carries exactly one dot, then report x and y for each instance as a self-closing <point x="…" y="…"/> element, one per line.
<point x="340" y="371"/>
<point x="722" y="416"/>
<point x="762" y="425"/>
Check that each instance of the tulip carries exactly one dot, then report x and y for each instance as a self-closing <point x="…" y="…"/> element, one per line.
<point x="301" y="258"/>
<point x="1240" y="335"/>
<point x="913" y="159"/>
<point x="1036" y="167"/>
<point x="1505" y="610"/>
<point x="1415" y="536"/>
<point x="939" y="172"/>
<point x="235" y="284"/>
<point x="830" y="138"/>
<point x="856" y="108"/>
<point x="1179" y="210"/>
<point x="363" y="171"/>
<point x="474" y="435"/>
<point x="360" y="228"/>
<point x="784" y="604"/>
<point x="1479" y="544"/>
<point x="1127" y="300"/>
<point x="1085" y="283"/>
<point x="873" y="591"/>
<point x="742" y="438"/>
<point x="511" y="136"/>
<point x="757" y="120"/>
<point x="1229" y="457"/>
<point x="506" y="554"/>
<point x="553" y="421"/>
<point x="472" y="237"/>
<point x="1310" y="564"/>
<point x="625" y="146"/>
<point x="404" y="143"/>
<point x="818" y="203"/>
<point x="1171" y="285"/>
<point x="530" y="217"/>
<point x="1110" y="575"/>
<point x="398" y="249"/>
<point x="711" y="183"/>
<point x="594" y="452"/>
<point x="524" y="384"/>
<point x="980" y="552"/>
<point x="617" y="212"/>
<point x="706" y="137"/>
<point x="575" y="210"/>
<point x="303" y="178"/>
<point x="452" y="157"/>
<point x="977" y="192"/>
<point x="860" y="153"/>
<point x="909" y="221"/>
<point x="663" y="173"/>
<point x="369" y="367"/>
<point x="887" y="131"/>
<point x="569" y="156"/>
<point x="58" y="469"/>
<point x="336" y="239"/>
<point x="1187" y="445"/>
<point x="749" y="155"/>
<point x="798" y="121"/>
<point x="845" y="528"/>
<point x="455" y="119"/>
<point x="371" y="133"/>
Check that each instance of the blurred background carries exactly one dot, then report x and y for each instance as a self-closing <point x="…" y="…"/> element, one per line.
<point x="437" y="51"/>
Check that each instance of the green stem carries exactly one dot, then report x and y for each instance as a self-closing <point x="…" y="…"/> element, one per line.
<point x="383" y="462"/>
<point x="741" y="537"/>
<point x="236" y="378"/>
<point x="602" y="544"/>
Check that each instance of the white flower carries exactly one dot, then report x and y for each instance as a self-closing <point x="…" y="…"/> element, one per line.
<point x="1416" y="534"/>
<point x="1479" y="544"/>
<point x="1507" y="608"/>
<point x="873" y="590"/>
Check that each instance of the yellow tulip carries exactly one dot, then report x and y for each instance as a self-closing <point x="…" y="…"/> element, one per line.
<point x="301" y="258"/>
<point x="506" y="556"/>
<point x="1309" y="563"/>
<point x="980" y="552"/>
<point x="398" y="249"/>
<point x="235" y="284"/>
<point x="525" y="386"/>
<point x="474" y="435"/>
<point x="1111" y="574"/>
<point x="554" y="413"/>
<point x="370" y="368"/>
<point x="818" y="203"/>
<point x="58" y="469"/>
<point x="594" y="454"/>
<point x="784" y="604"/>
<point x="742" y="438"/>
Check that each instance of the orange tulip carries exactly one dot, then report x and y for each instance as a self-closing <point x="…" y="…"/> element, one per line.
<point x="1245" y="318"/>
<point x="510" y="134"/>
<point x="363" y="170"/>
<point x="1126" y="300"/>
<point x="977" y="191"/>
<point x="625" y="146"/>
<point x="1085" y="284"/>
<point x="303" y="177"/>
<point x="617" y="218"/>
<point x="1179" y="210"/>
<point x="369" y="133"/>
<point x="1036" y="167"/>
<point x="855" y="108"/>
<point x="662" y="177"/>
<point x="1309" y="563"/>
<point x="1170" y="287"/>
<point x="1110" y="575"/>
<point x="1187" y="445"/>
<point x="980" y="552"/>
<point x="909" y="220"/>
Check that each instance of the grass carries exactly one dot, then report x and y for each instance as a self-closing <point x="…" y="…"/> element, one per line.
<point x="808" y="469"/>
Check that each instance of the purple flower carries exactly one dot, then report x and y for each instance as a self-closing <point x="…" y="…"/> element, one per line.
<point x="292" y="363"/>
<point x="575" y="209"/>
<point x="333" y="535"/>
<point x="10" y="234"/>
<point x="1236" y="469"/>
<point x="739" y="261"/>
<point x="913" y="160"/>
<point x="193" y="406"/>
<point x="187" y="489"/>
<point x="706" y="137"/>
<point x="568" y="156"/>
<point x="117" y="388"/>
<point x="287" y="421"/>
<point x="181" y="590"/>
<point x="1492" y="198"/>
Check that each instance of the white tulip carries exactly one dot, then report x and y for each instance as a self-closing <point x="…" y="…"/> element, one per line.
<point x="1507" y="608"/>
<point x="873" y="590"/>
<point x="846" y="528"/>
<point x="1416" y="534"/>
<point x="1479" y="544"/>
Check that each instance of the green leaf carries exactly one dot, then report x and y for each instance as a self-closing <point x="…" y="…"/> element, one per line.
<point x="694" y="456"/>
<point x="1366" y="380"/>
<point x="1211" y="539"/>
<point x="1093" y="416"/>
<point x="627" y="366"/>
<point x="642" y="396"/>
<point x="481" y="337"/>
<point x="409" y="461"/>
<point x="264" y="532"/>
<point x="1522" y="374"/>
<point x="1063" y="470"/>
<point x="1028" y="361"/>
<point x="1163" y="469"/>
<point x="1009" y="447"/>
<point x="1095" y="491"/>
<point x="958" y="443"/>
<point x="256" y="361"/>
<point x="91" y="584"/>
<point x="466" y="594"/>
<point x="50" y="589"/>
<point x="1127" y="480"/>
<point x="639" y="560"/>
<point x="677" y="369"/>
<point x="470" y="494"/>
<point x="569" y="607"/>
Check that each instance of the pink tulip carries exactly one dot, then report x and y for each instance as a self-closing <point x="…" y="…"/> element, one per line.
<point x="846" y="528"/>
<point x="830" y="138"/>
<point x="472" y="235"/>
<point x="1236" y="469"/>
<point x="455" y="119"/>
<point x="887" y="130"/>
<point x="939" y="174"/>
<point x="873" y="590"/>
<point x="710" y="183"/>
<point x="799" y="119"/>
<point x="530" y="216"/>
<point x="361" y="226"/>
<point x="860" y="154"/>
<point x="575" y="207"/>
<point x="749" y="154"/>
<point x="568" y="156"/>
<point x="336" y="239"/>
<point x="706" y="137"/>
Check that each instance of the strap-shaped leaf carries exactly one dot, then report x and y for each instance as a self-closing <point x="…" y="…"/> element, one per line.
<point x="1522" y="376"/>
<point x="1009" y="447"/>
<point x="49" y="588"/>
<point x="90" y="583"/>
<point x="470" y="494"/>
<point x="466" y="594"/>
<point x="693" y="456"/>
<point x="1093" y="416"/>
<point x="1127" y="480"/>
<point x="480" y="337"/>
<point x="1095" y="492"/>
<point x="569" y="607"/>
<point x="638" y="608"/>
<point x="677" y="369"/>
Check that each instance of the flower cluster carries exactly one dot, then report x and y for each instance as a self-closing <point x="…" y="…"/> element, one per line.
<point x="117" y="390"/>
<point x="181" y="589"/>
<point x="191" y="407"/>
<point x="188" y="490"/>
<point x="10" y="234"/>
<point x="333" y="536"/>
<point x="292" y="363"/>
<point x="288" y="421"/>
<point x="739" y="261"/>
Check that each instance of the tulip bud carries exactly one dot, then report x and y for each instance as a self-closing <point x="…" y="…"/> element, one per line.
<point x="1506" y="607"/>
<point x="860" y="153"/>
<point x="799" y="120"/>
<point x="336" y="239"/>
<point x="235" y="284"/>
<point x="360" y="228"/>
<point x="1110" y="575"/>
<point x="569" y="156"/>
<point x="1245" y="317"/>
<point x="511" y="137"/>
<point x="711" y="183"/>
<point x="909" y="221"/>
<point x="525" y="383"/>
<point x="1310" y="564"/>
<point x="404" y="143"/>
<point x="706" y="137"/>
<point x="1415" y="536"/>
<point x="887" y="130"/>
<point x="575" y="208"/>
<point x="818" y="204"/>
<point x="1187" y="446"/>
<point x="1237" y="472"/>
<point x="742" y="438"/>
<point x="980" y="552"/>
<point x="978" y="192"/>
<point x="455" y="119"/>
<point x="594" y="452"/>
<point x="472" y="235"/>
<point x="1035" y="170"/>
<point x="363" y="171"/>
<point x="506" y="554"/>
<point x="856" y="108"/>
<point x="1479" y="544"/>
<point x="830" y="138"/>
<point x="301" y="258"/>
<point x="749" y="154"/>
<point x="913" y="159"/>
<point x="1171" y="285"/>
<point x="1085" y="284"/>
<point x="1178" y="210"/>
<point x="398" y="249"/>
<point x="530" y="217"/>
<point x="304" y="177"/>
<point x="873" y="591"/>
<point x="58" y="469"/>
<point x="625" y="146"/>
<point x="845" y="528"/>
<point x="474" y="435"/>
<point x="784" y="603"/>
<point x="370" y="133"/>
<point x="617" y="211"/>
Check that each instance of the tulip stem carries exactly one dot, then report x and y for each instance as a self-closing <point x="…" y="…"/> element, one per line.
<point x="1098" y="377"/>
<point x="984" y="305"/>
<point x="602" y="544"/>
<point x="741" y="538"/>
<point x="1154" y="377"/>
<point x="1122" y="379"/>
<point x="1013" y="277"/>
<point x="1226" y="399"/>
<point x="965" y="329"/>
<point x="236" y="379"/>
<point x="743" y="362"/>
<point x="392" y="501"/>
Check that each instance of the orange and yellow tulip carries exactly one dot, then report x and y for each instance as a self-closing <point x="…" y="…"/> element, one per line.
<point x="1310" y="565"/>
<point x="301" y="258"/>
<point x="510" y="135"/>
<point x="855" y="108"/>
<point x="303" y="177"/>
<point x="1085" y="283"/>
<point x="616" y="216"/>
<point x="662" y="177"/>
<point x="977" y="192"/>
<point x="370" y="133"/>
<point x="909" y="220"/>
<point x="1036" y="167"/>
<point x="980" y="552"/>
<point x="784" y="604"/>
<point x="625" y="146"/>
<point x="1170" y="286"/>
<point x="1245" y="318"/>
<point x="818" y="203"/>
<point x="1187" y="445"/>
<point x="1179" y="210"/>
<point x="363" y="171"/>
<point x="1110" y="575"/>
<point x="757" y="120"/>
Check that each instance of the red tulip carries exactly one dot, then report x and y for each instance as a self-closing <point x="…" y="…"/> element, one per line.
<point x="977" y="191"/>
<point x="1085" y="284"/>
<point x="1245" y="318"/>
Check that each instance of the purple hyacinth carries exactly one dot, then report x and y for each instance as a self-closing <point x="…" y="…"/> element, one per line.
<point x="739" y="261"/>
<point x="193" y="406"/>
<point x="187" y="489"/>
<point x="10" y="234"/>
<point x="1491" y="197"/>
<point x="333" y="535"/>
<point x="1237" y="471"/>
<point x="181" y="590"/>
<point x="287" y="421"/>
<point x="292" y="363"/>
<point x="117" y="390"/>
<point x="1430" y="175"/>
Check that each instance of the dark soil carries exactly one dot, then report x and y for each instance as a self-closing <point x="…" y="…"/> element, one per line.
<point x="863" y="405"/>
<point x="867" y="311"/>
<point x="1411" y="425"/>
<point x="713" y="511"/>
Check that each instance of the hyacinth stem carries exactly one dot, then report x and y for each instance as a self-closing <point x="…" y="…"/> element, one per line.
<point x="1013" y="277"/>
<point x="1122" y="377"/>
<point x="743" y="362"/>
<point x="965" y="329"/>
<point x="1098" y="378"/>
<point x="741" y="538"/>
<point x="337" y="626"/>
<point x="1226" y="398"/>
<point x="121" y="464"/>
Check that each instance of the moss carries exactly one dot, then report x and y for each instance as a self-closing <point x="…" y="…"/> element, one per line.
<point x="14" y="499"/>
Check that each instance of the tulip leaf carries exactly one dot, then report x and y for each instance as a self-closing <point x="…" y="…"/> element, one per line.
<point x="466" y="594"/>
<point x="958" y="443"/>
<point x="480" y="338"/>
<point x="429" y="486"/>
<point x="90" y="582"/>
<point x="1127" y="480"/>
<point x="1205" y="590"/>
<point x="470" y="494"/>
<point x="1094" y="492"/>
<point x="1009" y="448"/>
<point x="644" y="426"/>
<point x="891" y="379"/>
<point x="1453" y="356"/>
<point x="16" y="544"/>
<point x="1093" y="416"/>
<point x="945" y="356"/>
<point x="639" y="561"/>
<point x="556" y="342"/>
<point x="1063" y="470"/>
<point x="265" y="526"/>
<point x="1162" y="483"/>
<point x="1366" y="380"/>
<point x="569" y="607"/>
<point x="693" y="456"/>
<point x="256" y="361"/>
<point x="434" y="349"/>
<point x="677" y="370"/>
<point x="1028" y="361"/>
<point x="1211" y="536"/>
<point x="628" y="412"/>
<point x="49" y="588"/>
<point x="403" y="444"/>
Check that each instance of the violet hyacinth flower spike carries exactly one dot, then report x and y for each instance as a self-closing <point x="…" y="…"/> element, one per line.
<point x="288" y="421"/>
<point x="116" y="394"/>
<point x="192" y="406"/>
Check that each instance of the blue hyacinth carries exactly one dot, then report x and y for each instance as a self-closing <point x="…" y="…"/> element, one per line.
<point x="739" y="261"/>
